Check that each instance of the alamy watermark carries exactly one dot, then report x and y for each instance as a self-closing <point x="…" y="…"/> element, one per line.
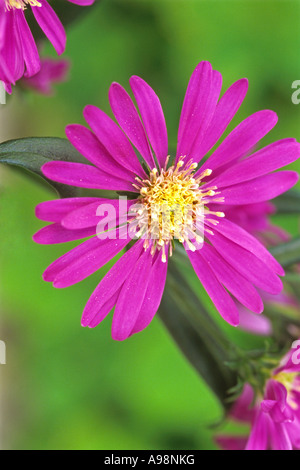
<point x="296" y="94"/>
<point x="296" y="354"/>
<point x="2" y="93"/>
<point x="135" y="220"/>
<point x="2" y="352"/>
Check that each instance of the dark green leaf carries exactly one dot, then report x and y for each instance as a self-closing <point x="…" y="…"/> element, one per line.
<point x="198" y="337"/>
<point x="288" y="203"/>
<point x="32" y="153"/>
<point x="288" y="253"/>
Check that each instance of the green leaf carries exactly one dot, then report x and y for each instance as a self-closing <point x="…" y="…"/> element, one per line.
<point x="32" y="153"/>
<point x="288" y="203"/>
<point x="196" y="334"/>
<point x="287" y="253"/>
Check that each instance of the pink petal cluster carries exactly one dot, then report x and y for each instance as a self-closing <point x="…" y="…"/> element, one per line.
<point x="19" y="55"/>
<point x="274" y="418"/>
<point x="52" y="71"/>
<point x="255" y="219"/>
<point x="231" y="261"/>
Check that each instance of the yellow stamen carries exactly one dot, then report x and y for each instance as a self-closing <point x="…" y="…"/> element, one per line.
<point x="289" y="382"/>
<point x="175" y="207"/>
<point x="21" y="4"/>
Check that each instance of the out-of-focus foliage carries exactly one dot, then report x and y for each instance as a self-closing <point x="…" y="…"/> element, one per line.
<point x="68" y="387"/>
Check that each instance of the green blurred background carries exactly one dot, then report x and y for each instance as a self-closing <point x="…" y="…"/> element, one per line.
<point x="65" y="387"/>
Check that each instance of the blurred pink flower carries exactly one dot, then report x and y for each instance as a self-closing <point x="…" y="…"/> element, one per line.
<point x="255" y="219"/>
<point x="52" y="71"/>
<point x="19" y="55"/>
<point x="274" y="418"/>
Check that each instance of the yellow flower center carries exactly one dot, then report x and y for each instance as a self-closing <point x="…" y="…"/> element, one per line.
<point x="21" y="4"/>
<point x="171" y="206"/>
<point x="292" y="384"/>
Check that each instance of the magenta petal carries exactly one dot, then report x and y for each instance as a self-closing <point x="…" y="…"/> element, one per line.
<point x="90" y="262"/>
<point x="276" y="404"/>
<point x="152" y="116"/>
<point x="153" y="296"/>
<point x="89" y="146"/>
<point x="113" y="139"/>
<point x="89" y="216"/>
<point x="83" y="260"/>
<point x="238" y="235"/>
<point x="291" y="362"/>
<point x="30" y="51"/>
<point x="260" y="189"/>
<point x="231" y="442"/>
<point x="12" y="59"/>
<point x="225" y="111"/>
<point x="54" y="211"/>
<point x="193" y="115"/>
<point x="280" y="439"/>
<point x="51" y="25"/>
<point x="245" y="262"/>
<point x="55" y="233"/>
<point x="105" y="309"/>
<point x="255" y="324"/>
<point x="242" y="410"/>
<point x="110" y="284"/>
<point x="232" y="280"/>
<point x="242" y="139"/>
<point x="266" y="160"/>
<point x="83" y="3"/>
<point x="129" y="120"/>
<point x="215" y="89"/>
<point x="70" y="257"/>
<point x="258" y="439"/>
<point x="131" y="298"/>
<point x="221" y="299"/>
<point x="83" y="176"/>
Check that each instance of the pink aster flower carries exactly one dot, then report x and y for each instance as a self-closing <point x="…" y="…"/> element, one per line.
<point x="52" y="71"/>
<point x="274" y="418"/>
<point x="230" y="259"/>
<point x="18" y="51"/>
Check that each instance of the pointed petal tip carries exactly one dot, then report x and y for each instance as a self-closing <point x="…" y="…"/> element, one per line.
<point x="234" y="322"/>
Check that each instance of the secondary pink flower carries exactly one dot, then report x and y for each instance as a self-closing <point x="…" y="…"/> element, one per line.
<point x="52" y="71"/>
<point x="18" y="52"/>
<point x="275" y="418"/>
<point x="230" y="259"/>
<point x="255" y="219"/>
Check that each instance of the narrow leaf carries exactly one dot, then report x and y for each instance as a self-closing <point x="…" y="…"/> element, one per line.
<point x="32" y="153"/>
<point x="288" y="253"/>
<point x="288" y="203"/>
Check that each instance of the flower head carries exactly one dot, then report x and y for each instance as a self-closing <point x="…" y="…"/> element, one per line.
<point x="177" y="200"/>
<point x="19" y="55"/>
<point x="275" y="417"/>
